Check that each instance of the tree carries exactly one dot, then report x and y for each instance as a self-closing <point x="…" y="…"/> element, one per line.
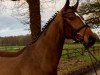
<point x="35" y="18"/>
<point x="94" y="9"/>
<point x="15" y="0"/>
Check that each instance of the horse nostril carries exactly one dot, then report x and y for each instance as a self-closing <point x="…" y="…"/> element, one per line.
<point x="91" y="40"/>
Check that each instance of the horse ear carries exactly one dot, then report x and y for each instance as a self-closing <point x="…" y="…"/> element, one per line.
<point x="76" y="5"/>
<point x="67" y="3"/>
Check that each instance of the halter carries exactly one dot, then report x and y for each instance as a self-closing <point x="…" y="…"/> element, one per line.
<point x="76" y="36"/>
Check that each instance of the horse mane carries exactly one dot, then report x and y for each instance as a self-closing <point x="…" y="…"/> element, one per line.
<point x="48" y="22"/>
<point x="45" y="27"/>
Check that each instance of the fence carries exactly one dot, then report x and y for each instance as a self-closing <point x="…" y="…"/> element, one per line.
<point x="75" y="52"/>
<point x="76" y="61"/>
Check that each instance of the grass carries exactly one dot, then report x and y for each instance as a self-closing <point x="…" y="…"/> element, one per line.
<point x="75" y="49"/>
<point x="76" y="60"/>
<point x="10" y="48"/>
<point x="76" y="45"/>
<point x="73" y="46"/>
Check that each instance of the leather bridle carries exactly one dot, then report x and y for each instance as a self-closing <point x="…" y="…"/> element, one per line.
<point x="78" y="37"/>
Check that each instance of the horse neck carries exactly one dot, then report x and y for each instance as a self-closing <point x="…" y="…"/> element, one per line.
<point x="49" y="46"/>
<point x="53" y="37"/>
<point x="54" y="34"/>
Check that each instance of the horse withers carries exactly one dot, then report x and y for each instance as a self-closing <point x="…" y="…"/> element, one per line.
<point x="42" y="56"/>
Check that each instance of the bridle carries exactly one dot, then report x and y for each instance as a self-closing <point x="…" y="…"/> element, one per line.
<point x="76" y="36"/>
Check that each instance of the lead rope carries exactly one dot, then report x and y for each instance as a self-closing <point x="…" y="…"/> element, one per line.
<point x="91" y="55"/>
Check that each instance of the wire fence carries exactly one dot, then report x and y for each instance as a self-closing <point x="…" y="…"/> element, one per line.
<point x="75" y="52"/>
<point x="76" y="61"/>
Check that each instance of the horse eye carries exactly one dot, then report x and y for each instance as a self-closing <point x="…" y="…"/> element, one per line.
<point x="71" y="18"/>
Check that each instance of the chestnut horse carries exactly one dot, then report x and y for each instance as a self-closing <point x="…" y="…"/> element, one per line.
<point x="42" y="57"/>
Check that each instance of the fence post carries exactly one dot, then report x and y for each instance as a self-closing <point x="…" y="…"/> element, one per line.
<point x="98" y="49"/>
<point x="82" y="51"/>
<point x="93" y="48"/>
<point x="68" y="54"/>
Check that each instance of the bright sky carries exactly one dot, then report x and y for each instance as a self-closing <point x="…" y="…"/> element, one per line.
<point x="10" y="26"/>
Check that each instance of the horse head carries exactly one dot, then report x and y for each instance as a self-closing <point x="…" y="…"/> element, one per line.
<point x="74" y="26"/>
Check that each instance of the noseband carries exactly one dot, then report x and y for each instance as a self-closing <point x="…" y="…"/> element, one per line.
<point x="77" y="37"/>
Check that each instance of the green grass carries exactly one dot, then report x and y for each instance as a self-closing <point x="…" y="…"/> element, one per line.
<point x="75" y="51"/>
<point x="10" y="48"/>
<point x="73" y="46"/>
<point x="76" y="60"/>
<point x="76" y="45"/>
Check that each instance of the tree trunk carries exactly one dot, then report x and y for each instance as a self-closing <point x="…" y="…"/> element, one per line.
<point x="35" y="18"/>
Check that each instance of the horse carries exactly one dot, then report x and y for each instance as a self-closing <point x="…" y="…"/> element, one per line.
<point x="42" y="57"/>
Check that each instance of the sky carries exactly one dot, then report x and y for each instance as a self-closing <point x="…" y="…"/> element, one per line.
<point x="11" y="26"/>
